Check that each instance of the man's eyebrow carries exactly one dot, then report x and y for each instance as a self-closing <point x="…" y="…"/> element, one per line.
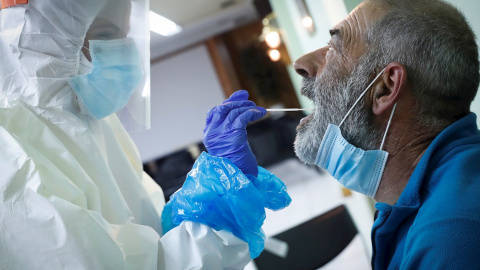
<point x="335" y="40"/>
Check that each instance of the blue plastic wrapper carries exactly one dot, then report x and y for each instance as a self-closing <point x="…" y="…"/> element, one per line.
<point x="167" y="223"/>
<point x="216" y="193"/>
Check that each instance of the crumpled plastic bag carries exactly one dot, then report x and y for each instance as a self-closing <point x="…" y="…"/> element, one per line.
<point x="216" y="193"/>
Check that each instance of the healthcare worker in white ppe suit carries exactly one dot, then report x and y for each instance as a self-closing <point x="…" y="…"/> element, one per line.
<point x="73" y="75"/>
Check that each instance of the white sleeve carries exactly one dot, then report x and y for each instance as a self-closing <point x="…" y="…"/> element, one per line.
<point x="42" y="230"/>
<point x="192" y="245"/>
<point x="40" y="233"/>
<point x="196" y="246"/>
<point x="52" y="216"/>
<point x="57" y="234"/>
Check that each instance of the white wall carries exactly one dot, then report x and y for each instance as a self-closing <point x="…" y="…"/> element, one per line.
<point x="325" y="14"/>
<point x="184" y="87"/>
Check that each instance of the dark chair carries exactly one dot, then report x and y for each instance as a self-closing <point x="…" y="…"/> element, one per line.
<point x="170" y="171"/>
<point x="272" y="139"/>
<point x="312" y="244"/>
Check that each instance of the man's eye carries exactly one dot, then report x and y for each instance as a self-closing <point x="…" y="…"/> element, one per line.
<point x="105" y="36"/>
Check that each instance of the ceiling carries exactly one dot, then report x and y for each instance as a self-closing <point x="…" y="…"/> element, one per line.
<point x="199" y="19"/>
<point x="186" y="12"/>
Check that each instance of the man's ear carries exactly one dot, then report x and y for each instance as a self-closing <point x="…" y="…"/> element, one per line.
<point x="389" y="88"/>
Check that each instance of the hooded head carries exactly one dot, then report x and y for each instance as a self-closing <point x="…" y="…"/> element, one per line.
<point x="41" y="43"/>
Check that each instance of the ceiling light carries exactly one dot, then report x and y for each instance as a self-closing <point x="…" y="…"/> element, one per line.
<point x="307" y="22"/>
<point x="162" y="25"/>
<point x="273" y="39"/>
<point x="274" y="55"/>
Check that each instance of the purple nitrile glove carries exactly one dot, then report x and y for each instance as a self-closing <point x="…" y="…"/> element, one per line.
<point x="225" y="133"/>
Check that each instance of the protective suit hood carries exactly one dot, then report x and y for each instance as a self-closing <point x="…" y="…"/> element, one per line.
<point x="62" y="170"/>
<point x="42" y="42"/>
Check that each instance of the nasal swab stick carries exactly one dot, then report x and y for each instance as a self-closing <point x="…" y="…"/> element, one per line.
<point x="287" y="110"/>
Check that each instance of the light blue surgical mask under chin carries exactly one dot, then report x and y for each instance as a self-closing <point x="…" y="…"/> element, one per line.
<point x="355" y="168"/>
<point x="117" y="72"/>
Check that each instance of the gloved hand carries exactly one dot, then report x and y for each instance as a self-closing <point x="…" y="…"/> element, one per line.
<point x="225" y="133"/>
<point x="216" y="193"/>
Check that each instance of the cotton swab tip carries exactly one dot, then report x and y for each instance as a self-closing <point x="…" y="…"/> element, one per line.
<point x="287" y="110"/>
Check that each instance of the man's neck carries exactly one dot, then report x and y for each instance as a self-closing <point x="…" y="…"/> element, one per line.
<point x="404" y="155"/>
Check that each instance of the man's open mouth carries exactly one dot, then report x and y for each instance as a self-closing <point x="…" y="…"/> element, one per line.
<point x="304" y="121"/>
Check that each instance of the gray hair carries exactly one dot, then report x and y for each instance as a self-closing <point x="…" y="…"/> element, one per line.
<point x="437" y="47"/>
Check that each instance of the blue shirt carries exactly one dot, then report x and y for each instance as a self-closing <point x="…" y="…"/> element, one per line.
<point x="435" y="224"/>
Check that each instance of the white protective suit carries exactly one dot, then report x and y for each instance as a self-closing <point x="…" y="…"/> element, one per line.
<point x="72" y="191"/>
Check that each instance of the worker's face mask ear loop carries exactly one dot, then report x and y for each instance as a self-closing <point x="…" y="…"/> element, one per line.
<point x="85" y="66"/>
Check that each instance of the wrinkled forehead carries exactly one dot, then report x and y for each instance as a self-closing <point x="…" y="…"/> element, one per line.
<point x="350" y="35"/>
<point x="367" y="12"/>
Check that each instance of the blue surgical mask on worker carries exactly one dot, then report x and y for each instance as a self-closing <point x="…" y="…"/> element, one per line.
<point x="117" y="72"/>
<point x="355" y="168"/>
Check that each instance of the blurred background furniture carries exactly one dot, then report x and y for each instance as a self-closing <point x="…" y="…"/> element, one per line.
<point x="170" y="171"/>
<point x="313" y="243"/>
<point x="271" y="139"/>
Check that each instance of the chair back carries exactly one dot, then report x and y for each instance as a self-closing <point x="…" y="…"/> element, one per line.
<point x="313" y="243"/>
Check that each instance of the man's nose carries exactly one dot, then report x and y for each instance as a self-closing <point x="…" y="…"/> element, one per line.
<point x="310" y="64"/>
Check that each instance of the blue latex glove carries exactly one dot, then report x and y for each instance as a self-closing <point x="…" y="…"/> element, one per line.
<point x="225" y="133"/>
<point x="216" y="193"/>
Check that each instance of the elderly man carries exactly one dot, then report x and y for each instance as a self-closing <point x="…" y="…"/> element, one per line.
<point x="392" y="120"/>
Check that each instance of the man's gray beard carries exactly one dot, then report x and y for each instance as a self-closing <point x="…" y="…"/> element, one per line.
<point x="334" y="94"/>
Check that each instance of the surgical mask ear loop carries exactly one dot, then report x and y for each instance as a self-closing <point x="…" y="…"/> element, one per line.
<point x="358" y="100"/>
<point x="388" y="126"/>
<point x="360" y="97"/>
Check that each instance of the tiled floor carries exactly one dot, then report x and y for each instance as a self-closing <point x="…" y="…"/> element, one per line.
<point x="314" y="193"/>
